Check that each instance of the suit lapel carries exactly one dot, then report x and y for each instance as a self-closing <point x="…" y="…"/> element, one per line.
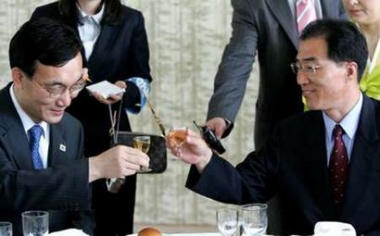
<point x="364" y="159"/>
<point x="317" y="171"/>
<point x="12" y="133"/>
<point x="57" y="147"/>
<point x="101" y="44"/>
<point x="282" y="12"/>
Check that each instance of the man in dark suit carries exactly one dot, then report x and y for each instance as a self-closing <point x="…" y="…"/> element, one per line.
<point x="47" y="73"/>
<point x="268" y="28"/>
<point x="295" y="163"/>
<point x="115" y="49"/>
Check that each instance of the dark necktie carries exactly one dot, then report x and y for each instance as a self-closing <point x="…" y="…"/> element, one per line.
<point x="35" y="135"/>
<point x="338" y="166"/>
<point x="305" y="12"/>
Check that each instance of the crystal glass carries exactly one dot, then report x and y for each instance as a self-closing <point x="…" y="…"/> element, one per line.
<point x="5" y="228"/>
<point x="142" y="143"/>
<point x="35" y="223"/>
<point x="254" y="218"/>
<point x="177" y="135"/>
<point x="227" y="220"/>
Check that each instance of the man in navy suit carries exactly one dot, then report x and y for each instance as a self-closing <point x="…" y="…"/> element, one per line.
<point x="47" y="73"/>
<point x="294" y="163"/>
<point x="115" y="49"/>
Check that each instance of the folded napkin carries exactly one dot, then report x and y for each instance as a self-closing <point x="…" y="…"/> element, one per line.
<point x="331" y="228"/>
<point x="68" y="232"/>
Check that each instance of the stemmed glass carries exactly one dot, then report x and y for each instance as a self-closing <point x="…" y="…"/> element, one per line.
<point x="254" y="218"/>
<point x="142" y="143"/>
<point x="227" y="220"/>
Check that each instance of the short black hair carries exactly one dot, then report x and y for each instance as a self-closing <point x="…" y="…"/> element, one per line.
<point x="44" y="40"/>
<point x="344" y="41"/>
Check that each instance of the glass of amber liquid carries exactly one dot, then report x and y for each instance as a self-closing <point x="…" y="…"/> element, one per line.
<point x="142" y="143"/>
<point x="177" y="135"/>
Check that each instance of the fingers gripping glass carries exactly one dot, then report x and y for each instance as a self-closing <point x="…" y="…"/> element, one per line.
<point x="305" y="68"/>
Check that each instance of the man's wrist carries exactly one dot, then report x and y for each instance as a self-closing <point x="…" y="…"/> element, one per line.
<point x="204" y="160"/>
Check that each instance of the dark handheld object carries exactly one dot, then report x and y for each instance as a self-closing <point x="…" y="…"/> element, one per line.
<point x="211" y="139"/>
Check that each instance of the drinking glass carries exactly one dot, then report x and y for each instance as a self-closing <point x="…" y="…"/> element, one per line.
<point x="177" y="134"/>
<point x="227" y="220"/>
<point x="5" y="228"/>
<point x="142" y="143"/>
<point x="35" y="223"/>
<point x="254" y="218"/>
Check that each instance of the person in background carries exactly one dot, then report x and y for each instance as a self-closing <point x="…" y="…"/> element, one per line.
<point x="366" y="13"/>
<point x="323" y="163"/>
<point x="270" y="30"/>
<point x="42" y="166"/>
<point x="115" y="49"/>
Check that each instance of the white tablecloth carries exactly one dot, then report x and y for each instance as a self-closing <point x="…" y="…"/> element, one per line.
<point x="68" y="232"/>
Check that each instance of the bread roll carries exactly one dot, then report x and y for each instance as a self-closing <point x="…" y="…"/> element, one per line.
<point x="149" y="232"/>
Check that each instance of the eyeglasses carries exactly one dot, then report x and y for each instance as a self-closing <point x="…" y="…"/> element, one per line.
<point x="57" y="90"/>
<point x="307" y="69"/>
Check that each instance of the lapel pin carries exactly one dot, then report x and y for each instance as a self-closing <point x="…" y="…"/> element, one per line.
<point x="62" y="147"/>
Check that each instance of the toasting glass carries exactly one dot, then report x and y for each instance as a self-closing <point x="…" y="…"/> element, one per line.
<point x="177" y="134"/>
<point x="142" y="143"/>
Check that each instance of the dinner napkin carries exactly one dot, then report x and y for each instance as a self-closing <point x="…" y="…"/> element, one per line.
<point x="331" y="228"/>
<point x="68" y="232"/>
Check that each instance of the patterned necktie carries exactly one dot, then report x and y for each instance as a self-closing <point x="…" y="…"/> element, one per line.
<point x="35" y="135"/>
<point x="306" y="13"/>
<point x="338" y="166"/>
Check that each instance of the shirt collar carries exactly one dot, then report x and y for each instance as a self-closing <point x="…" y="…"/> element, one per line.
<point x="26" y="121"/>
<point x="97" y="17"/>
<point x="349" y="123"/>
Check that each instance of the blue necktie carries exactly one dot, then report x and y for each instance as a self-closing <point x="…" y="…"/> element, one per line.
<point x="35" y="135"/>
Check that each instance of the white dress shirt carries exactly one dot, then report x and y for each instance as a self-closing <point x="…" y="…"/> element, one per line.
<point x="349" y="124"/>
<point x="89" y="29"/>
<point x="28" y="123"/>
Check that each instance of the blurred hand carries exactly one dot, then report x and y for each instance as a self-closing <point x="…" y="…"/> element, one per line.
<point x="114" y="97"/>
<point x="218" y="125"/>
<point x="194" y="150"/>
<point x="117" y="162"/>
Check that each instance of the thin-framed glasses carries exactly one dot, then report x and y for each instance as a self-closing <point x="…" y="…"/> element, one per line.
<point x="305" y="68"/>
<point x="57" y="90"/>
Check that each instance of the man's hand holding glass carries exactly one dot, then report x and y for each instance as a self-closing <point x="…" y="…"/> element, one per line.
<point x="194" y="149"/>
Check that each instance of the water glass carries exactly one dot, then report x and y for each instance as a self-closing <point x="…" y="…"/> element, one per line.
<point x="5" y="228"/>
<point x="35" y="223"/>
<point x="227" y="220"/>
<point x="254" y="218"/>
